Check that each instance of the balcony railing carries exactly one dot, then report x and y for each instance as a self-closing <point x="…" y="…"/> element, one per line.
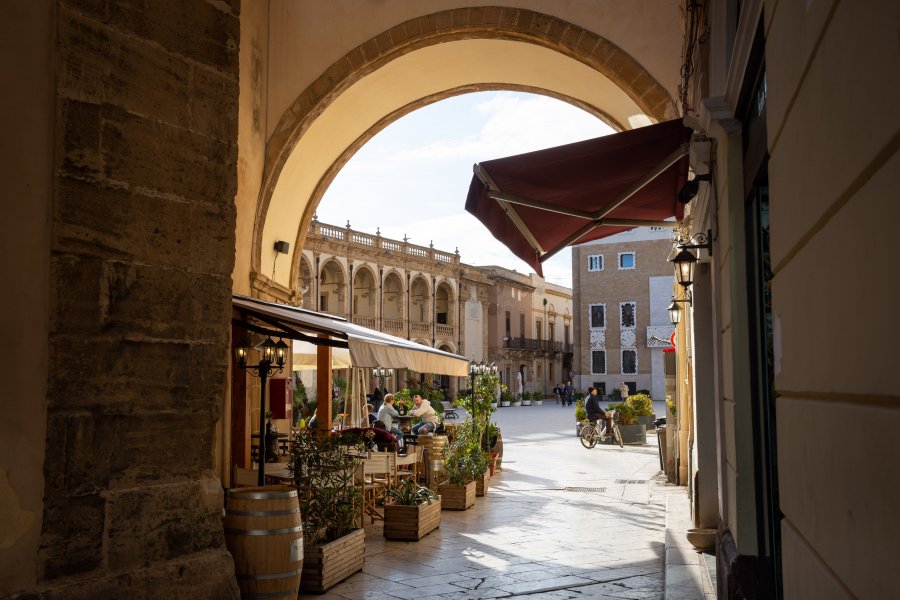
<point x="364" y="321"/>
<point x="445" y="332"/>
<point x="392" y="326"/>
<point x="350" y="238"/>
<point x="514" y="343"/>
<point x="420" y="329"/>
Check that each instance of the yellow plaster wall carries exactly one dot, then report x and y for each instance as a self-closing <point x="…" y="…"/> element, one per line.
<point x="834" y="135"/>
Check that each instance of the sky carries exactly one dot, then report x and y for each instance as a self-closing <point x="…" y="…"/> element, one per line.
<point x="412" y="178"/>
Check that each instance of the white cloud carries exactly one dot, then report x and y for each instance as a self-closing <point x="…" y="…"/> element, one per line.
<point x="413" y="177"/>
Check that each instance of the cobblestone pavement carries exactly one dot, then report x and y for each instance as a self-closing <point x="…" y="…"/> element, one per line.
<point x="559" y="521"/>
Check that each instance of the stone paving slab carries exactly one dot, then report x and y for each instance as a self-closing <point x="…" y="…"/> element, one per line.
<point x="542" y="531"/>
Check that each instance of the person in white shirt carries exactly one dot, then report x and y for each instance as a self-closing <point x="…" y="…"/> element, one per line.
<point x="428" y="418"/>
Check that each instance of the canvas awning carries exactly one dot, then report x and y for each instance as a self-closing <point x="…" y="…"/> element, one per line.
<point x="368" y="348"/>
<point x="540" y="202"/>
<point x="305" y="357"/>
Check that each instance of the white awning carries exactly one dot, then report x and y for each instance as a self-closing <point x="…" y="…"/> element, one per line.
<point x="368" y="348"/>
<point x="305" y="357"/>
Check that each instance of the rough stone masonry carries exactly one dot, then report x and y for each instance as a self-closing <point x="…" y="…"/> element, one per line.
<point x="142" y="253"/>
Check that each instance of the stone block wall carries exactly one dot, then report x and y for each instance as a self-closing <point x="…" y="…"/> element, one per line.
<point x="142" y="250"/>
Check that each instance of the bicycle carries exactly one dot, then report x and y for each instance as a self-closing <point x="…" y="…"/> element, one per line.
<point x="591" y="433"/>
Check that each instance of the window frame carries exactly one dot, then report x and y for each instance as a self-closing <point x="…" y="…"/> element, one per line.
<point x="591" y="316"/>
<point x="622" y="356"/>
<point x="601" y="260"/>
<point x="605" y="363"/>
<point x="633" y="261"/>
<point x="622" y="324"/>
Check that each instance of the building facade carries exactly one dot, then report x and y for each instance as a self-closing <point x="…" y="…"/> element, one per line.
<point x="156" y="154"/>
<point x="622" y="286"/>
<point x="428" y="296"/>
<point x="529" y="330"/>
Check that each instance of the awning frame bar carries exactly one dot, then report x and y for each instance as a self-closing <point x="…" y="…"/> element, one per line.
<point x="596" y="218"/>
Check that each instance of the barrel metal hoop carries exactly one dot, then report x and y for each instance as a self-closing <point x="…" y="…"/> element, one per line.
<point x="234" y="531"/>
<point x="261" y="513"/>
<point x="279" y="495"/>
<point x="267" y="576"/>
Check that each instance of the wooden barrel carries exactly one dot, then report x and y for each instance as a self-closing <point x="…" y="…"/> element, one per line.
<point x="264" y="535"/>
<point x="433" y="454"/>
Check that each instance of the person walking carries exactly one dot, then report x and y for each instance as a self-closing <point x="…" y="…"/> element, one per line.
<point x="569" y="393"/>
<point x="557" y="393"/>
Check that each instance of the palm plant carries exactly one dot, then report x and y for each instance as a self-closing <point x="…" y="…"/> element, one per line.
<point x="411" y="493"/>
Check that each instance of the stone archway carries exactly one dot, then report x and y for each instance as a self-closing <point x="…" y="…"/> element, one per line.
<point x="630" y="89"/>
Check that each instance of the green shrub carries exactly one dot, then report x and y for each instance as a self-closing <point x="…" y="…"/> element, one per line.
<point x="580" y="413"/>
<point x="627" y="415"/>
<point x="410" y="493"/>
<point x="642" y="405"/>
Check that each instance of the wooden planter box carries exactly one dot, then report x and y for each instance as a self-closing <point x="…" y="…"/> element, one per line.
<point x="481" y="484"/>
<point x="327" y="565"/>
<point x="457" y="497"/>
<point x="402" y="522"/>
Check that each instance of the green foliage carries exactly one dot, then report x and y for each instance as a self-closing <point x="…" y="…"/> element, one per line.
<point x="464" y="459"/>
<point x="492" y="433"/>
<point x="324" y="474"/>
<point x="647" y="392"/>
<point x="627" y="415"/>
<point x="411" y="493"/>
<point x="506" y="396"/>
<point x="580" y="413"/>
<point x="579" y="395"/>
<point x="642" y="405"/>
<point x="485" y="389"/>
<point x="615" y="393"/>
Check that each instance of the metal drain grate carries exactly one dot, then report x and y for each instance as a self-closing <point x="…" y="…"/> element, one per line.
<point x="631" y="481"/>
<point x="584" y="489"/>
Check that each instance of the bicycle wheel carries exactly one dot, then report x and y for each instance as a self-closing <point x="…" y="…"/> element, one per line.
<point x="588" y="437"/>
<point x="618" y="436"/>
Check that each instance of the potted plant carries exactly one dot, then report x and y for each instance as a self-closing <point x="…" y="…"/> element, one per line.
<point x="458" y="492"/>
<point x="526" y="399"/>
<point x="632" y="431"/>
<point x="580" y="416"/>
<point x="643" y="408"/>
<point x="330" y="499"/>
<point x="505" y="398"/>
<point x="537" y="398"/>
<point x="495" y="445"/>
<point x="413" y="514"/>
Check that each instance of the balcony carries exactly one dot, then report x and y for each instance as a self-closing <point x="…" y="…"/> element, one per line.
<point x="364" y="321"/>
<point x="531" y="345"/>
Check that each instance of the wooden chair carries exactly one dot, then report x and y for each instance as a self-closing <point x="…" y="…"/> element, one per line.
<point x="378" y="477"/>
<point x="410" y="461"/>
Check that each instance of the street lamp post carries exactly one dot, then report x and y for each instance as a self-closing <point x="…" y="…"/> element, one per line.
<point x="271" y="362"/>
<point x="381" y="373"/>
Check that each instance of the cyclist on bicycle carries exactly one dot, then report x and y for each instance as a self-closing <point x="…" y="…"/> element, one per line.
<point x="593" y="410"/>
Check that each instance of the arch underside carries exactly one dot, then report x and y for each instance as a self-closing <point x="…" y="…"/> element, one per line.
<point x="310" y="147"/>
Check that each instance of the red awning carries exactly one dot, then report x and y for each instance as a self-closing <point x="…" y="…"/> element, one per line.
<point x="539" y="203"/>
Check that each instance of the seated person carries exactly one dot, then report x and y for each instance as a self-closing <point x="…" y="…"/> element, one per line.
<point x="370" y="413"/>
<point x="425" y="412"/>
<point x="593" y="410"/>
<point x="387" y="413"/>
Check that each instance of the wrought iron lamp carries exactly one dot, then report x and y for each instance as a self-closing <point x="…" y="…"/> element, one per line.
<point x="674" y="310"/>
<point x="685" y="261"/>
<point x="381" y="373"/>
<point x="272" y="360"/>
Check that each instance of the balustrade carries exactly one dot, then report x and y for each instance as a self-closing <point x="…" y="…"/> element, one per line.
<point x="364" y="321"/>
<point x="532" y="344"/>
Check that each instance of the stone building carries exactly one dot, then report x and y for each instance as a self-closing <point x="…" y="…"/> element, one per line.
<point x="529" y="330"/>
<point x="153" y="153"/>
<point x="428" y="296"/>
<point x="622" y="287"/>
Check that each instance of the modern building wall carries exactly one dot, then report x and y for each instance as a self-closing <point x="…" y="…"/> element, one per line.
<point x="598" y="279"/>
